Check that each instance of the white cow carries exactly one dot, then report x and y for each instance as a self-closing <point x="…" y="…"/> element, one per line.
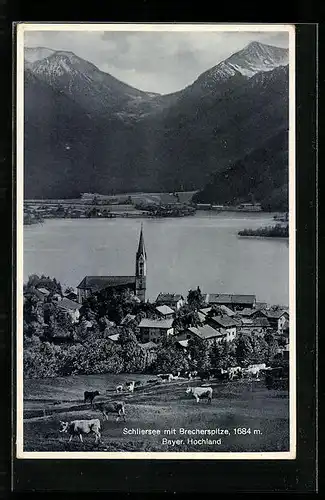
<point x="130" y="386"/>
<point x="79" y="427"/>
<point x="119" y="388"/>
<point x="200" y="392"/>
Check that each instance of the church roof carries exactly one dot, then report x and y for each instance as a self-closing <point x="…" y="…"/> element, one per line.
<point x="98" y="283"/>
<point x="141" y="247"/>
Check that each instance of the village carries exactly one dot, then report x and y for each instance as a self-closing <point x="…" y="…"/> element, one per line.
<point x="202" y="330"/>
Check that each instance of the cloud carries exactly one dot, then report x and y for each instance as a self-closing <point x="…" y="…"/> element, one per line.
<point x="161" y="62"/>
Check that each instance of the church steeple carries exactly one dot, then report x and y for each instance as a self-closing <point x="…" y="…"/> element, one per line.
<point x="141" y="247"/>
<point x="141" y="269"/>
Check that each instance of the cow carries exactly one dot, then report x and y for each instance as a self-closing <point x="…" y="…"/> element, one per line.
<point x="219" y="374"/>
<point x="90" y="396"/>
<point x="119" y="388"/>
<point x="204" y="375"/>
<point x="137" y="384"/>
<point x="130" y="386"/>
<point x="80" y="427"/>
<point x="235" y="372"/>
<point x="175" y="376"/>
<point x="200" y="392"/>
<point x="114" y="407"/>
<point x="168" y="377"/>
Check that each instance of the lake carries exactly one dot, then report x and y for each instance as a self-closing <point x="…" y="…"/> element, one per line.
<point x="182" y="253"/>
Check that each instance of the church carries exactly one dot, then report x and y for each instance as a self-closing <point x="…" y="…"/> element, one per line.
<point x="137" y="283"/>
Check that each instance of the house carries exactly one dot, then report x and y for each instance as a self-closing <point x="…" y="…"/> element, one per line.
<point x="277" y="317"/>
<point x="228" y="324"/>
<point x="153" y="330"/>
<point x="70" y="307"/>
<point x="234" y="302"/>
<point x="165" y="311"/>
<point x="205" y="332"/>
<point x="136" y="284"/>
<point x="174" y="300"/>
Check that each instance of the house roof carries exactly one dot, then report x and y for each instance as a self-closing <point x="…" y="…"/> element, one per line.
<point x="205" y="310"/>
<point x="69" y="305"/>
<point x="127" y="319"/>
<point x="156" y="323"/>
<point x="98" y="283"/>
<point x="248" y="312"/>
<point x="275" y="313"/>
<point x="183" y="343"/>
<point x="207" y="332"/>
<point x="227" y="310"/>
<point x="169" y="297"/>
<point x="224" y="321"/>
<point x="164" y="310"/>
<point x="114" y="337"/>
<point x="225" y="298"/>
<point x="261" y="322"/>
<point x="148" y="345"/>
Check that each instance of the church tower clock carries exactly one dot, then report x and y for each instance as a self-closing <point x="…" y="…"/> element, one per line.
<point x="141" y="269"/>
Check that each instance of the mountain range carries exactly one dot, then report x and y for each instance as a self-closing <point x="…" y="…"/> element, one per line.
<point x="86" y="131"/>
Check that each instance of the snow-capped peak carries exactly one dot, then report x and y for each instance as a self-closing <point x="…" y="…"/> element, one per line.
<point x="256" y="57"/>
<point x="249" y="61"/>
<point x="32" y="54"/>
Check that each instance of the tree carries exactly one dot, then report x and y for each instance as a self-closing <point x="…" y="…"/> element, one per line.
<point x="244" y="349"/>
<point x="195" y="299"/>
<point x="169" y="359"/>
<point x="199" y="353"/>
<point x="215" y="355"/>
<point x="132" y="355"/>
<point x="227" y="354"/>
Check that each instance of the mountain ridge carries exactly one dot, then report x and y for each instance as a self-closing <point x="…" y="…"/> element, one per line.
<point x="122" y="139"/>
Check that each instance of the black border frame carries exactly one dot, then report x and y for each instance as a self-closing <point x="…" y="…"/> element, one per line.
<point x="227" y="475"/>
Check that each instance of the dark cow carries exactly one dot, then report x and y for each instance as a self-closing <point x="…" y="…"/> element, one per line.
<point x="168" y="377"/>
<point x="137" y="384"/>
<point x="80" y="427"/>
<point x="204" y="375"/>
<point x="90" y="396"/>
<point x="219" y="374"/>
<point x="117" y="407"/>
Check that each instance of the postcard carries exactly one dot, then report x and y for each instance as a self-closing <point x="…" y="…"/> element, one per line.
<point x="155" y="241"/>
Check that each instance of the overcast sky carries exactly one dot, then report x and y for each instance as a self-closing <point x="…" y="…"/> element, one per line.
<point x="153" y="61"/>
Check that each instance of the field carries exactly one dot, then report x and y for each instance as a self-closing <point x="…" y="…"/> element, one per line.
<point x="239" y="404"/>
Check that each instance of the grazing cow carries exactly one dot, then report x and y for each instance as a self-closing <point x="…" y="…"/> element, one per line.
<point x="153" y="381"/>
<point x="119" y="388"/>
<point x="90" y="396"/>
<point x="204" y="375"/>
<point x="168" y="377"/>
<point x="219" y="374"/>
<point x="130" y="386"/>
<point x="175" y="376"/>
<point x="200" y="392"/>
<point x="80" y="427"/>
<point x="235" y="372"/>
<point x="114" y="407"/>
